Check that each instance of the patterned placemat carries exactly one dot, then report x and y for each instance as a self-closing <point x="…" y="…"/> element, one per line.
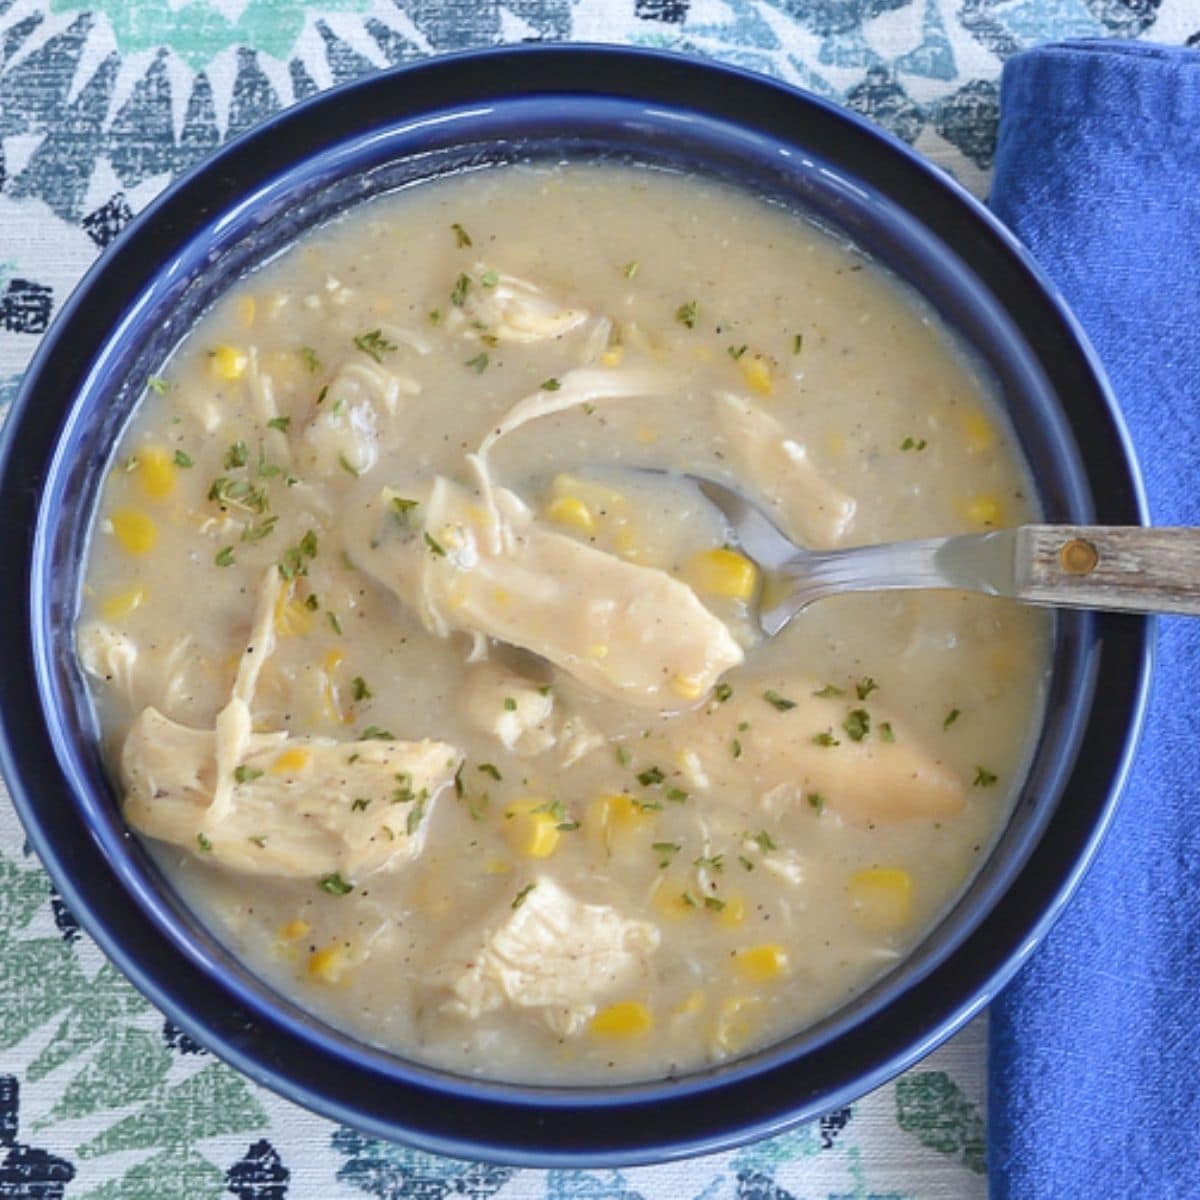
<point x="102" y="102"/>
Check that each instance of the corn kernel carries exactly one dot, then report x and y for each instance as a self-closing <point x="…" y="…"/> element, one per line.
<point x="646" y="435"/>
<point x="497" y="866"/>
<point x="627" y="1019"/>
<point x="291" y="762"/>
<point x="736" y="1023"/>
<point x="673" y="899"/>
<point x="757" y="373"/>
<point x="119" y="605"/>
<point x="136" y="532"/>
<point x="612" y="815"/>
<point x="626" y="543"/>
<point x="984" y="510"/>
<point x="690" y="1006"/>
<point x="598" y="651"/>
<point x="723" y="572"/>
<point x="687" y="686"/>
<point x="156" y="473"/>
<point x="246" y="308"/>
<point x="533" y="834"/>
<point x="326" y="966"/>
<point x="762" y="963"/>
<point x="227" y="362"/>
<point x="294" y="930"/>
<point x="329" y="692"/>
<point x="734" y="912"/>
<point x="291" y="617"/>
<point x="882" y="898"/>
<point x="501" y="596"/>
<point x="835" y="444"/>
<point x="570" y="510"/>
<point x="979" y="432"/>
<point x="614" y="356"/>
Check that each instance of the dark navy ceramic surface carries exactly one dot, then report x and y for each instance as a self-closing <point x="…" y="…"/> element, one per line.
<point x="466" y="112"/>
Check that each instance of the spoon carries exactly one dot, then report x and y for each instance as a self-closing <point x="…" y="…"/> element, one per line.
<point x="1118" y="568"/>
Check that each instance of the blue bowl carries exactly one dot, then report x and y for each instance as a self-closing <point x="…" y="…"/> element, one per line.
<point x="463" y="113"/>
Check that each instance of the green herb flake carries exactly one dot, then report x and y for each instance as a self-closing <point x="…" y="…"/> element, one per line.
<point x="550" y="385"/>
<point x="435" y="316"/>
<point x="623" y="756"/>
<point x="651" y="777"/>
<point x="857" y="724"/>
<point x="722" y="692"/>
<point x="203" y="842"/>
<point x="157" y="384"/>
<point x="258" y="840"/>
<point x="245" y="774"/>
<point x="236" y="456"/>
<point x="715" y="863"/>
<point x="402" y="509"/>
<point x="510" y="705"/>
<point x="489" y="279"/>
<point x="745" y="862"/>
<point x="735" y="747"/>
<point x="374" y="344"/>
<point x="360" y="805"/>
<point x="359" y="689"/>
<point x="776" y="701"/>
<point x="797" y="342"/>
<point x="825" y="738"/>
<point x="458" y="293"/>
<point x="686" y="314"/>
<point x="764" y="841"/>
<point x="713" y="904"/>
<point x="347" y="465"/>
<point x="311" y="361"/>
<point x="461" y="236"/>
<point x="984" y="777"/>
<point x="224" y="557"/>
<point x="865" y="686"/>
<point x="522" y="895"/>
<point x="311" y="602"/>
<point x="688" y="899"/>
<point x="816" y="802"/>
<point x="416" y="815"/>
<point x="435" y="547"/>
<point x="280" y="423"/>
<point x="373" y="733"/>
<point x="829" y="692"/>
<point x="255" y="531"/>
<point x="478" y="364"/>
<point x="334" y="623"/>
<point x="951" y="717"/>
<point x="184" y="460"/>
<point x="238" y="493"/>
<point x="886" y="733"/>
<point x="630" y="269"/>
<point x="490" y="769"/>
<point x="736" y="352"/>
<point x="910" y="443"/>
<point x="334" y="885"/>
<point x="676" y="795"/>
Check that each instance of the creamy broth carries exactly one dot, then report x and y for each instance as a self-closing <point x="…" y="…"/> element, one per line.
<point x="456" y="726"/>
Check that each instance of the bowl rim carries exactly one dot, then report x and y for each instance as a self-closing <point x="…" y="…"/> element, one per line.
<point x="27" y="752"/>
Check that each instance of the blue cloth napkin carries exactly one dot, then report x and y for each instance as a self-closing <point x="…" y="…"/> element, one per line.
<point x="1095" y="1047"/>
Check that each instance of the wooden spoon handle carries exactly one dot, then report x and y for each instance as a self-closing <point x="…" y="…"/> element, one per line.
<point x="1125" y="568"/>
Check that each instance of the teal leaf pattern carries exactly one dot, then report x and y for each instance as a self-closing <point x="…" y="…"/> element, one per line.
<point x="934" y="1109"/>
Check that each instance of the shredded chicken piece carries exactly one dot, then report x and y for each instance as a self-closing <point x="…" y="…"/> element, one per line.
<point x="515" y="310"/>
<point x="509" y="707"/>
<point x="552" y="953"/>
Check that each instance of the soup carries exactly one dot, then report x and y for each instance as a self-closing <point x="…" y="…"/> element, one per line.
<point x="436" y="686"/>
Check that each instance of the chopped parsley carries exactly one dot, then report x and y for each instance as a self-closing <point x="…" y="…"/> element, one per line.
<point x="715" y="863"/>
<point x="490" y="769"/>
<point x="280" y="423"/>
<point x="797" y="342"/>
<point x="736" y="352"/>
<point x="775" y="700"/>
<point x="984" y="777"/>
<point x="688" y="899"/>
<point x="630" y="269"/>
<point x="510" y="705"/>
<point x="865" y="686"/>
<point x="676" y="795"/>
<point x="910" y="443"/>
<point x="435" y="547"/>
<point x="816" y="802"/>
<point x="373" y="733"/>
<point x="857" y="724"/>
<point x="334" y="623"/>
<point x="347" y="465"/>
<point x="646" y="806"/>
<point x="416" y="815"/>
<point x="238" y="493"/>
<point x="461" y="236"/>
<point x="735" y="747"/>
<point x="685" y="314"/>
<point x="458" y="293"/>
<point x="334" y="885"/>
<point x="359" y="689"/>
<point x="764" y="840"/>
<point x="478" y="364"/>
<point x="311" y="361"/>
<point x="360" y="805"/>
<point x="825" y="738"/>
<point x="184" y="460"/>
<point x="156" y="383"/>
<point x="722" y="692"/>
<point x="311" y="602"/>
<point x="550" y="385"/>
<point x="745" y="862"/>
<point x="402" y="508"/>
<point x="522" y="895"/>
<point x="255" y="531"/>
<point x="236" y="456"/>
<point x="651" y="777"/>
<point x="258" y="840"/>
<point x="623" y="756"/>
<point x="374" y="344"/>
<point x="435" y="316"/>
<point x="224" y="557"/>
<point x="664" y="850"/>
<point x="245" y="774"/>
<point x="711" y="902"/>
<point x="885" y="732"/>
<point x="489" y="279"/>
<point x="829" y="692"/>
<point x="951" y="717"/>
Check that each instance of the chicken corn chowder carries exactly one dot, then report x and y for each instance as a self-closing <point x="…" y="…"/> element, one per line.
<point x="456" y="725"/>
